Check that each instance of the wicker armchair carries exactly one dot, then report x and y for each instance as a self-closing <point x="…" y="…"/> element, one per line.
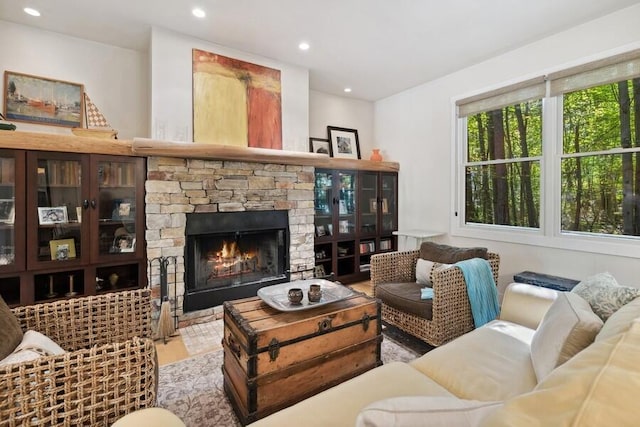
<point x="109" y="370"/>
<point x="451" y="311"/>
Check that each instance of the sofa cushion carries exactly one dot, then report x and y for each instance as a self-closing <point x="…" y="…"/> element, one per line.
<point x="423" y="271"/>
<point x="446" y="254"/>
<point x="340" y="405"/>
<point x="566" y="328"/>
<point x="490" y="363"/>
<point x="604" y="294"/>
<point x="405" y="297"/>
<point x="422" y="411"/>
<point x="619" y="321"/>
<point x="10" y="330"/>
<point x="597" y="387"/>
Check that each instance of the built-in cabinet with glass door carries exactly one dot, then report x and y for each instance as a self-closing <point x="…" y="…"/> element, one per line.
<point x="378" y="215"/>
<point x="78" y="227"/>
<point x="355" y="215"/>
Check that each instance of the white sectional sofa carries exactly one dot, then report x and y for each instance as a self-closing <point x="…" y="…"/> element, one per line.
<point x="538" y="364"/>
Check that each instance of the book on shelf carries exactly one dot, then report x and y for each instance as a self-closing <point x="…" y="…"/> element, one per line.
<point x="366" y="247"/>
<point x="365" y="267"/>
<point x="385" y="245"/>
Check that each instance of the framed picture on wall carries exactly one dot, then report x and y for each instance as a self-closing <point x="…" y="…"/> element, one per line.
<point x="43" y="101"/>
<point x="344" y="142"/>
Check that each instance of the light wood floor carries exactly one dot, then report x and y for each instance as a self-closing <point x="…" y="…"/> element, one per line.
<point x="201" y="338"/>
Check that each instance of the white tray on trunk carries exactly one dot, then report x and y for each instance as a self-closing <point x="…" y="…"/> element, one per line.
<point x="277" y="295"/>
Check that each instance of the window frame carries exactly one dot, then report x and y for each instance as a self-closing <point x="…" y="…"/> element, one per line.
<point x="550" y="233"/>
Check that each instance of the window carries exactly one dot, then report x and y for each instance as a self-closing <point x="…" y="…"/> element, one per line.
<point x="600" y="171"/>
<point x="569" y="141"/>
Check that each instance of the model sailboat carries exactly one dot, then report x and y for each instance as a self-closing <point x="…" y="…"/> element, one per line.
<point x="96" y="124"/>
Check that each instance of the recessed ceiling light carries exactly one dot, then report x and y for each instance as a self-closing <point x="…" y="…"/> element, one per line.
<point x="347" y="89"/>
<point x="304" y="46"/>
<point x="198" y="13"/>
<point x="31" y="11"/>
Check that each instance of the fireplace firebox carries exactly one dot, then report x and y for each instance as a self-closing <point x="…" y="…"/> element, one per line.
<point x="230" y="255"/>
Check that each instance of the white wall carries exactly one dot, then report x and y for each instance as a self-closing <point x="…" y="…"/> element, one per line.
<point x="416" y="128"/>
<point x="330" y="110"/>
<point x="171" y="100"/>
<point x="114" y="78"/>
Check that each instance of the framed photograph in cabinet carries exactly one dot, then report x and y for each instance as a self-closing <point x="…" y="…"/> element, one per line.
<point x="43" y="101"/>
<point x="320" y="231"/>
<point x="7" y="211"/>
<point x="373" y="205"/>
<point x="385" y="206"/>
<point x="52" y="215"/>
<point x="344" y="142"/>
<point x="122" y="209"/>
<point x="62" y="249"/>
<point x="320" y="146"/>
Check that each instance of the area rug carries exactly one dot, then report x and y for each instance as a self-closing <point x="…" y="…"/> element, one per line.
<point x="193" y="388"/>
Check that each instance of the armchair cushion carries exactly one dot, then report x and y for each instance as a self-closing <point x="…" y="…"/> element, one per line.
<point x="405" y="297"/>
<point x="10" y="330"/>
<point x="33" y="345"/>
<point x="423" y="271"/>
<point x="446" y="254"/>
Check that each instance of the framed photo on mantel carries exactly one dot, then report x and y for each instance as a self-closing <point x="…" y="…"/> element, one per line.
<point x="344" y="142"/>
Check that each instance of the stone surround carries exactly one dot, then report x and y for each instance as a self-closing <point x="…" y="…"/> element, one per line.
<point x="177" y="186"/>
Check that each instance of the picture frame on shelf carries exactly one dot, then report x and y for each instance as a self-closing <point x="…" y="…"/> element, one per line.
<point x="344" y="142"/>
<point x="7" y="211"/>
<point x="373" y="205"/>
<point x="48" y="215"/>
<point x="123" y="209"/>
<point x="385" y="206"/>
<point x="62" y="249"/>
<point x="123" y="241"/>
<point x="320" y="146"/>
<point x="44" y="101"/>
<point x="320" y="231"/>
<point x="319" y="271"/>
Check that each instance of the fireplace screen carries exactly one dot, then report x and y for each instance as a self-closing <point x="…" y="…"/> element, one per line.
<point x="236" y="258"/>
<point x="230" y="255"/>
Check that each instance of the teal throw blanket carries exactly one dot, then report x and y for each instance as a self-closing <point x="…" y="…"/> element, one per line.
<point x="481" y="288"/>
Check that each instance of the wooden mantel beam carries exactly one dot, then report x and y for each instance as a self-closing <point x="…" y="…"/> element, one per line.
<point x="144" y="147"/>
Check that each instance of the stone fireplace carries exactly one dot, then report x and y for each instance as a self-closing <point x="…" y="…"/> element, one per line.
<point x="178" y="187"/>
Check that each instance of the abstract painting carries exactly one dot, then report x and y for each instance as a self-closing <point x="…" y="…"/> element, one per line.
<point x="235" y="102"/>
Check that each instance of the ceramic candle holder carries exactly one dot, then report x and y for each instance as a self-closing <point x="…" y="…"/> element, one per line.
<point x="315" y="293"/>
<point x="295" y="295"/>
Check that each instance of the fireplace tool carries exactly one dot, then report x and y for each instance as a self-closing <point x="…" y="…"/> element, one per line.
<point x="167" y="322"/>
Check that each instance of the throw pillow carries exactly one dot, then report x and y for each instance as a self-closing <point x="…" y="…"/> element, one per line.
<point x="598" y="387"/>
<point x="423" y="271"/>
<point x="566" y="328"/>
<point x="10" y="330"/>
<point x="412" y="411"/>
<point x="619" y="321"/>
<point x="604" y="294"/>
<point x="33" y="345"/>
<point x="450" y="254"/>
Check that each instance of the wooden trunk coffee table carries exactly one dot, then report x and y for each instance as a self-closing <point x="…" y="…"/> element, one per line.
<point x="273" y="359"/>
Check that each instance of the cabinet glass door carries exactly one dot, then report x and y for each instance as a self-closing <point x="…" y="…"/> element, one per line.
<point x="117" y="217"/>
<point x="59" y="199"/>
<point x="368" y="203"/>
<point x="346" y="203"/>
<point x="323" y="203"/>
<point x="389" y="202"/>
<point x="8" y="204"/>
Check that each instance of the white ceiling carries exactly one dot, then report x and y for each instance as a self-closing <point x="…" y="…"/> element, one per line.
<point x="376" y="47"/>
